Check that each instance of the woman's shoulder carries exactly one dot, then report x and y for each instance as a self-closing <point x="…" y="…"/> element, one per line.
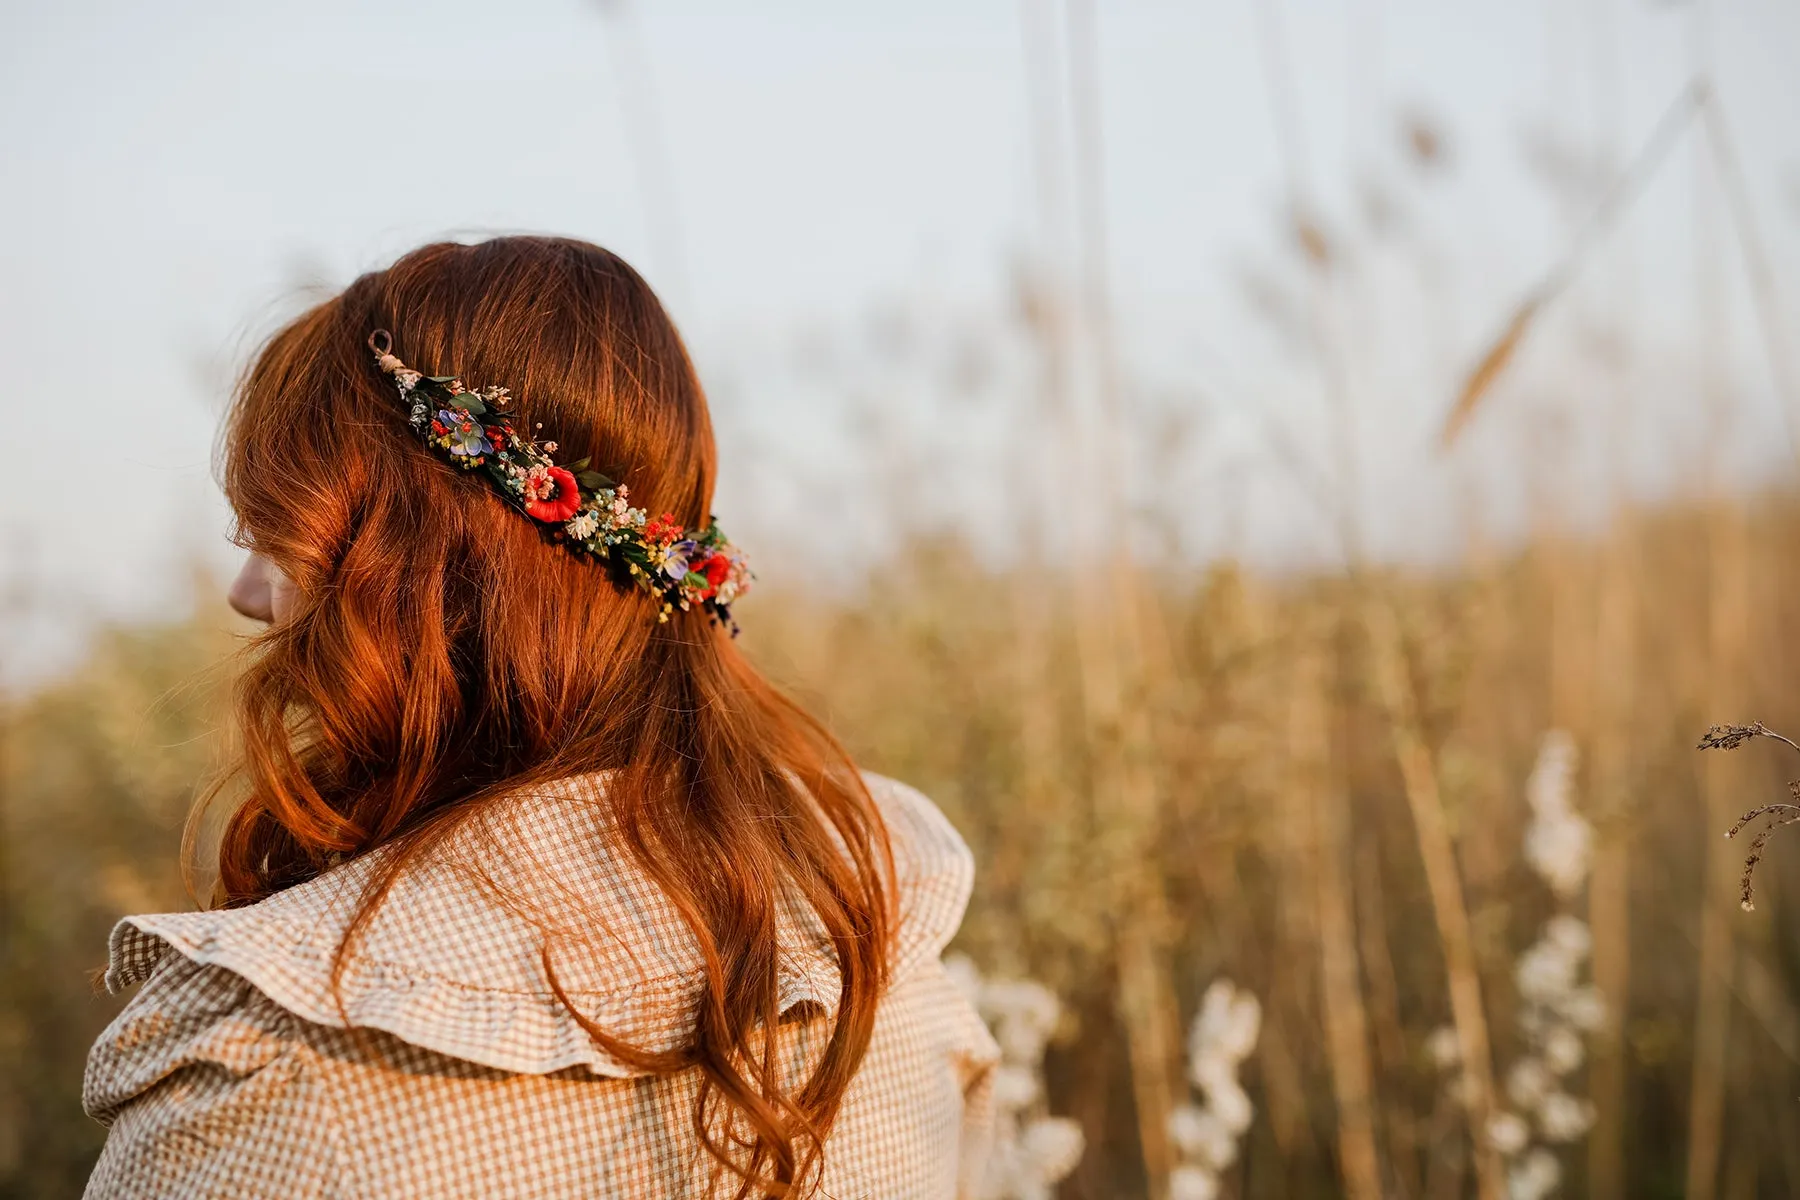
<point x="207" y="1090"/>
<point x="186" y="1013"/>
<point x="504" y="947"/>
<point x="934" y="869"/>
<point x="477" y="950"/>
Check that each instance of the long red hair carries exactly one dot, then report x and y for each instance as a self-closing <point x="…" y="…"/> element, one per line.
<point x="441" y="653"/>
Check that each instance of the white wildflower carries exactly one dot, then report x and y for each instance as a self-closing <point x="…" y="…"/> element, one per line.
<point x="1053" y="1145"/>
<point x="1015" y="1087"/>
<point x="965" y="976"/>
<point x="1557" y="1008"/>
<point x="1563" y="1050"/>
<point x="1545" y="972"/>
<point x="1032" y="1151"/>
<point x="1025" y="1001"/>
<point x="1223" y="1034"/>
<point x="1559" y="841"/>
<point x="583" y="525"/>
<point x="1553" y="775"/>
<point x="1444" y="1047"/>
<point x="1202" y="1136"/>
<point x="1189" y="1182"/>
<point x="1559" y="849"/>
<point x="1570" y="935"/>
<point x="1224" y="1098"/>
<point x="1535" y="1177"/>
<point x="1508" y="1133"/>
<point x="1020" y="1041"/>
<point x="1022" y="1013"/>
<point x="1528" y="1083"/>
<point x="1228" y="1023"/>
<point x="1584" y="1008"/>
<point x="1564" y="1118"/>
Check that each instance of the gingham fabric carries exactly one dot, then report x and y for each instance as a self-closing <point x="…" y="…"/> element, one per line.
<point x="445" y="1065"/>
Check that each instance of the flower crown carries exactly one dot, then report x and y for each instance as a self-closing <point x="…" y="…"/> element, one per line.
<point x="581" y="508"/>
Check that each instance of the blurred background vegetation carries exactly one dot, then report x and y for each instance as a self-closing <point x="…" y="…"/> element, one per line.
<point x="1026" y="565"/>
<point x="1267" y="747"/>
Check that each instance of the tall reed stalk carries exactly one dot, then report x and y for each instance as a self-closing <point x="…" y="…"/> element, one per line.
<point x="1728" y="611"/>
<point x="1609" y="891"/>
<point x="1319" y="780"/>
<point x="1437" y="852"/>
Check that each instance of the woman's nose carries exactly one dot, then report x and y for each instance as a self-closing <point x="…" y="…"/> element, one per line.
<point x="250" y="592"/>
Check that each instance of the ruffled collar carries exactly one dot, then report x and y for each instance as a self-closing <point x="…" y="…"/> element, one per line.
<point x="453" y="960"/>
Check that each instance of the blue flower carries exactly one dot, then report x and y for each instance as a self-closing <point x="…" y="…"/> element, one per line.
<point x="676" y="558"/>
<point x="466" y="437"/>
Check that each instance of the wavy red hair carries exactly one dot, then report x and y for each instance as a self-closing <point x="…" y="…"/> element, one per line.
<point x="441" y="653"/>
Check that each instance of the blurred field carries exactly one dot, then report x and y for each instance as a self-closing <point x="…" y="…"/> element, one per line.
<point x="1176" y="767"/>
<point x="1237" y="808"/>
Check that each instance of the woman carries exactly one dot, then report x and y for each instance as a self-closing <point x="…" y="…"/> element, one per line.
<point x="536" y="887"/>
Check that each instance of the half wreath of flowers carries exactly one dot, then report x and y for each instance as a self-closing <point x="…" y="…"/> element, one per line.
<point x="582" y="508"/>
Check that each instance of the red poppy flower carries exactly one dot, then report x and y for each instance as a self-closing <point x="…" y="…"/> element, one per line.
<point x="716" y="569"/>
<point x="551" y="495"/>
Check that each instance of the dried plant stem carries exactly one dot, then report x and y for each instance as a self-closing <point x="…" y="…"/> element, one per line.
<point x="1392" y="1060"/>
<point x="1286" y="1084"/>
<point x="1756" y="263"/>
<point x="1779" y="814"/>
<point x="1712" y="1033"/>
<point x="1394" y="691"/>
<point x="1152" y="1039"/>
<point x="1609" y="914"/>
<point x="1789" y="813"/>
<point x="1609" y="889"/>
<point x="1346" y="1021"/>
<point x="1119" y="727"/>
<point x="1730" y="737"/>
<point x="1727" y="548"/>
<point x="1291" y="993"/>
<point x="1115" y="667"/>
<point x="1036" y="717"/>
<point x="1125" y="816"/>
<point x="1728" y="633"/>
<point x="1624" y="189"/>
<point x="649" y="147"/>
<point x="1147" y="1004"/>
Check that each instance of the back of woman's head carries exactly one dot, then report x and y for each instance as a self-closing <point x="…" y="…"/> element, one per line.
<point x="441" y="651"/>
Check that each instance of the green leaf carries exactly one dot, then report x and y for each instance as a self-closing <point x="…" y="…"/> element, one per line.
<point x="694" y="579"/>
<point x="440" y="379"/>
<point x="593" y="480"/>
<point x="577" y="467"/>
<point x="469" y="404"/>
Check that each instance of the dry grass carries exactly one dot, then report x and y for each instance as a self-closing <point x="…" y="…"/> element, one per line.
<point x="1275" y="831"/>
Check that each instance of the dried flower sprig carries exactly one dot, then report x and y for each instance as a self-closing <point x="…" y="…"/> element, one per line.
<point x="577" y="506"/>
<point x="1730" y="737"/>
<point x="1557" y="1009"/>
<point x="1032" y="1150"/>
<point x="1206" y="1135"/>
